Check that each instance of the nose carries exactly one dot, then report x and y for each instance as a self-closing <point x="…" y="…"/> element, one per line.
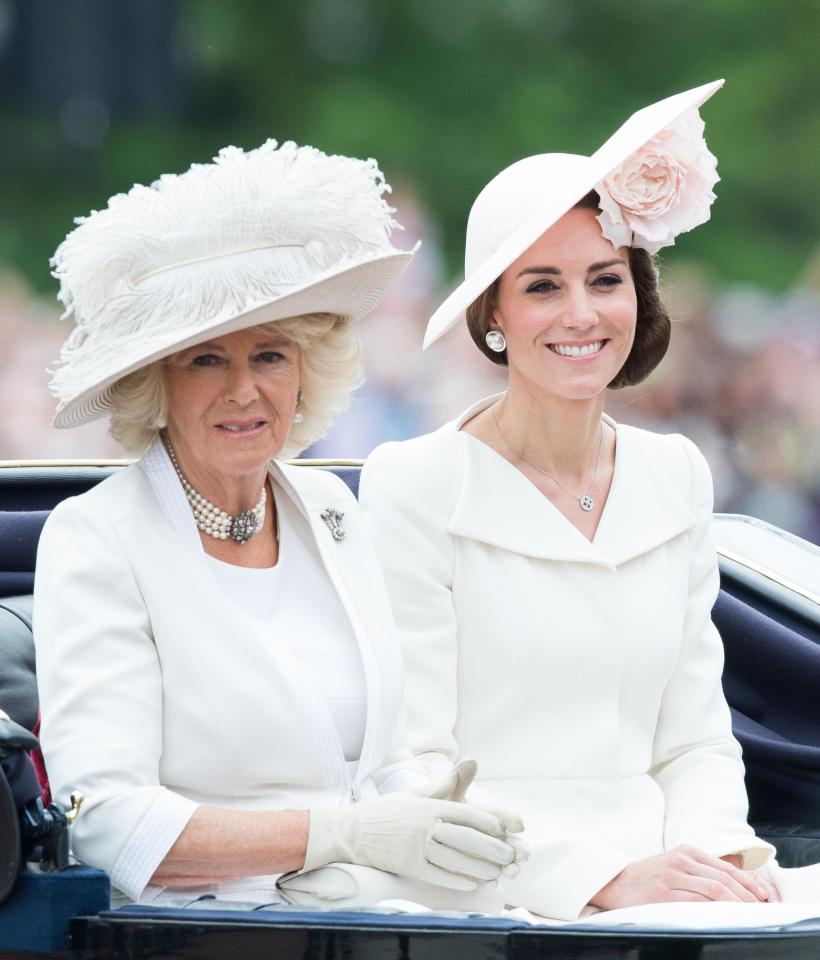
<point x="240" y="387"/>
<point x="579" y="313"/>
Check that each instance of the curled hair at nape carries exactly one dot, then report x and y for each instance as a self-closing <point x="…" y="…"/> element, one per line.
<point x="330" y="356"/>
<point x="652" y="327"/>
<point x="479" y="315"/>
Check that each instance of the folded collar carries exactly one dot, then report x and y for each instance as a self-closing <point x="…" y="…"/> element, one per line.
<point x="497" y="504"/>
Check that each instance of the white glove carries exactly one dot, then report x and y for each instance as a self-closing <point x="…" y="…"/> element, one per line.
<point x="449" y="844"/>
<point x="450" y="786"/>
<point x="454" y="786"/>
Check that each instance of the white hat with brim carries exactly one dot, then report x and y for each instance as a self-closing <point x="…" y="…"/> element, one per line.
<point x="528" y="197"/>
<point x="252" y="238"/>
<point x="352" y="292"/>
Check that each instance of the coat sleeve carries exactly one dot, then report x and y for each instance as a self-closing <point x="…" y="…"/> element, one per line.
<point x="696" y="759"/>
<point x="408" y="527"/>
<point x="100" y="690"/>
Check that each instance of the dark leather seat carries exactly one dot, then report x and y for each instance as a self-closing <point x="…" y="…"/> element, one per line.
<point x="18" y="686"/>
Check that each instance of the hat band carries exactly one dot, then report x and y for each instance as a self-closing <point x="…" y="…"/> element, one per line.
<point x="215" y="256"/>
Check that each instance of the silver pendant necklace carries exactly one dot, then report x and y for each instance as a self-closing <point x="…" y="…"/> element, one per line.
<point x="585" y="500"/>
<point x="213" y="521"/>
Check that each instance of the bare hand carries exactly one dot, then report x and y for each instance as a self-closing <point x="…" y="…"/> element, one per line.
<point x="684" y="873"/>
<point x="763" y="879"/>
<point x="761" y="876"/>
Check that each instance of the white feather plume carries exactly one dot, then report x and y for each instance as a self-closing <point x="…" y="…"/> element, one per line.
<point x="194" y="249"/>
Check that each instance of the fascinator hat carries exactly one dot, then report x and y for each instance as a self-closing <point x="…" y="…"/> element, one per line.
<point x="250" y="238"/>
<point x="654" y="176"/>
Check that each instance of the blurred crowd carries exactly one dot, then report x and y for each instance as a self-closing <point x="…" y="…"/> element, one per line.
<point x="742" y="379"/>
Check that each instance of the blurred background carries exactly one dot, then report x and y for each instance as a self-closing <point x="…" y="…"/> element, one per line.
<point x="97" y="95"/>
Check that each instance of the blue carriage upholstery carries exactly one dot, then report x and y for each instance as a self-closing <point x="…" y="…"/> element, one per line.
<point x="36" y="916"/>
<point x="771" y="678"/>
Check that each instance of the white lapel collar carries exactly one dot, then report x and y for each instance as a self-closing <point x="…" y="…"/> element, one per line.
<point x="157" y="467"/>
<point x="497" y="504"/>
<point x="309" y="492"/>
<point x="645" y="507"/>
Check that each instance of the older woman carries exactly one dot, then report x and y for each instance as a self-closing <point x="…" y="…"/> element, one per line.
<point x="552" y="571"/>
<point x="215" y="650"/>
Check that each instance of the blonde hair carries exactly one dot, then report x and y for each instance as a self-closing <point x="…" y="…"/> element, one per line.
<point x="331" y="368"/>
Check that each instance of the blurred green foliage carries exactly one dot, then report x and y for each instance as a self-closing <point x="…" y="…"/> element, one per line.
<point x="445" y="93"/>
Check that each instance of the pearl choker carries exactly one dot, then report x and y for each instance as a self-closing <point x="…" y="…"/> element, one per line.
<point x="213" y="521"/>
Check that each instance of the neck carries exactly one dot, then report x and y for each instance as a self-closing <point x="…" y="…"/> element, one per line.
<point x="561" y="435"/>
<point x="232" y="493"/>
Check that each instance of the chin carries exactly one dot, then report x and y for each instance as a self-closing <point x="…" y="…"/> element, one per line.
<point x="244" y="461"/>
<point x="581" y="389"/>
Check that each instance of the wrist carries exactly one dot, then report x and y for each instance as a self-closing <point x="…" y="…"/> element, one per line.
<point x="324" y="839"/>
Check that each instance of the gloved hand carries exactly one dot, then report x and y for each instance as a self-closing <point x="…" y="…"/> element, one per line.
<point x="454" y="785"/>
<point x="439" y="841"/>
<point x="450" y="786"/>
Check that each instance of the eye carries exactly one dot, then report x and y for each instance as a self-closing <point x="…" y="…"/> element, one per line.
<point x="271" y="356"/>
<point x="541" y="286"/>
<point x="205" y="360"/>
<point x="608" y="280"/>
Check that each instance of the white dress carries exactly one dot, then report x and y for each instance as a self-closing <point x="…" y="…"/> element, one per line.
<point x="584" y="677"/>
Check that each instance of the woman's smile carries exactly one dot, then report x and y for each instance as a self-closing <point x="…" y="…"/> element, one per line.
<point x="241" y="429"/>
<point x="578" y="351"/>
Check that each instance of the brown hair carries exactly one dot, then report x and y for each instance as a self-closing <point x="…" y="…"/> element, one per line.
<point x="652" y="328"/>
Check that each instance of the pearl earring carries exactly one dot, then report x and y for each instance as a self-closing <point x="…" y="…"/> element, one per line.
<point x="495" y="341"/>
<point x="298" y="417"/>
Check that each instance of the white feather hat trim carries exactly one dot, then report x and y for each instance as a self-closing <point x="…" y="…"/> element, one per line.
<point x="523" y="201"/>
<point x="252" y="237"/>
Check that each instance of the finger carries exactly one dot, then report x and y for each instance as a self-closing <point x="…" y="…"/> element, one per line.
<point x="772" y="893"/>
<point x="717" y="888"/>
<point x="511" y="871"/>
<point x="742" y="890"/>
<point x="443" y="878"/>
<point x="686" y="895"/>
<point x="465" y="774"/>
<point x="744" y="878"/>
<point x="442" y="789"/>
<point x="470" y="816"/>
<point x="520" y="848"/>
<point x="511" y="820"/>
<point x="473" y="844"/>
<point x="454" y="861"/>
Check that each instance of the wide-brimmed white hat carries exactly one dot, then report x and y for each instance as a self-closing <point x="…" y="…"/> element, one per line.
<point x="253" y="237"/>
<point x="671" y="180"/>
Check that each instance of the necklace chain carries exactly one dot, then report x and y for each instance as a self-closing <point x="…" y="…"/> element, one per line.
<point x="585" y="500"/>
<point x="209" y="518"/>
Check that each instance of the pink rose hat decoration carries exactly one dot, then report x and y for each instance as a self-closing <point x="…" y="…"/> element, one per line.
<point x="663" y="189"/>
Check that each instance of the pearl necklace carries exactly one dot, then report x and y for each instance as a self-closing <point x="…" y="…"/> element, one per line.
<point x="585" y="501"/>
<point x="213" y="521"/>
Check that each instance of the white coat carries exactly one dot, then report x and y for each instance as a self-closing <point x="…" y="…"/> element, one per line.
<point x="158" y="693"/>
<point x="584" y="677"/>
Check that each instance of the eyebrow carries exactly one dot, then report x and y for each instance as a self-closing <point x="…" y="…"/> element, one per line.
<point x="260" y="345"/>
<point x="555" y="272"/>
